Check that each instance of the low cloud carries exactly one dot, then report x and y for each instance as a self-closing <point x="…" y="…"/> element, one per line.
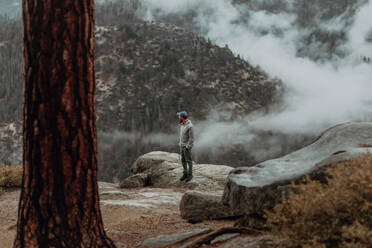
<point x="319" y="92"/>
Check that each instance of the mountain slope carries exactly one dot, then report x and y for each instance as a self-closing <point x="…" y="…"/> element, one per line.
<point x="146" y="72"/>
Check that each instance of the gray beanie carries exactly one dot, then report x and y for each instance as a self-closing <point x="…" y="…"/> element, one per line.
<point x="182" y="114"/>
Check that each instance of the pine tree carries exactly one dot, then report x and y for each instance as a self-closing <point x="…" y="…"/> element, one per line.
<point x="59" y="204"/>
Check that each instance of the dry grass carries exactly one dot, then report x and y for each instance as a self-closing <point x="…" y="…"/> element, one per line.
<point x="11" y="176"/>
<point x="336" y="214"/>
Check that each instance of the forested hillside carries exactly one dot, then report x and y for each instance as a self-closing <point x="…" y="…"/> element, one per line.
<point x="146" y="72"/>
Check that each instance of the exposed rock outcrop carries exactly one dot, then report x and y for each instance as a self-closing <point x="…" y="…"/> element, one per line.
<point x="250" y="190"/>
<point x="198" y="206"/>
<point x="153" y="159"/>
<point x="148" y="198"/>
<point x="135" y="181"/>
<point x="163" y="170"/>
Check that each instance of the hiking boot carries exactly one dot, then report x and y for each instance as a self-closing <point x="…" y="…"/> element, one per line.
<point x="183" y="177"/>
<point x="189" y="177"/>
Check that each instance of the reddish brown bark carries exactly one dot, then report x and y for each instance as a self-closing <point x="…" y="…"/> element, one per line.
<point x="59" y="204"/>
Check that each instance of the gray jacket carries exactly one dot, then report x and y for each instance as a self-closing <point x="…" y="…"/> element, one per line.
<point x="186" y="135"/>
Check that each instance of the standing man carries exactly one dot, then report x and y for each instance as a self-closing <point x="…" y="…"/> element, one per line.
<point x="186" y="143"/>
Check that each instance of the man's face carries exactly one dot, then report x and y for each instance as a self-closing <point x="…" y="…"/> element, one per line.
<point x="181" y="119"/>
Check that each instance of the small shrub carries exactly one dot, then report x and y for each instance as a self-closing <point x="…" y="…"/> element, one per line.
<point x="335" y="214"/>
<point x="11" y="176"/>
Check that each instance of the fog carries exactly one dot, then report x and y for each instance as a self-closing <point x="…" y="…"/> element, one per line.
<point x="11" y="8"/>
<point x="320" y="92"/>
<point x="327" y="81"/>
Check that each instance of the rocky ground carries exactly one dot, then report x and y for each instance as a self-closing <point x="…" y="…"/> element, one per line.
<point x="152" y="208"/>
<point x="131" y="216"/>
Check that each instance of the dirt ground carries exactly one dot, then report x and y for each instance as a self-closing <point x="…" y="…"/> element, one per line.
<point x="8" y="216"/>
<point x="127" y="224"/>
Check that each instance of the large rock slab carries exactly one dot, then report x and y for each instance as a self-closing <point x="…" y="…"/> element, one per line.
<point x="207" y="177"/>
<point x="152" y="159"/>
<point x="145" y="198"/>
<point x="167" y="240"/>
<point x="163" y="170"/>
<point x="135" y="181"/>
<point x="105" y="187"/>
<point x="199" y="206"/>
<point x="250" y="190"/>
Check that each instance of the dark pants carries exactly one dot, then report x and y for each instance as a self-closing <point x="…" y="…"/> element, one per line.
<point x="186" y="160"/>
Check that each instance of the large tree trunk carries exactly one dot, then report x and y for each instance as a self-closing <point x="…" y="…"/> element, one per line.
<point x="59" y="205"/>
